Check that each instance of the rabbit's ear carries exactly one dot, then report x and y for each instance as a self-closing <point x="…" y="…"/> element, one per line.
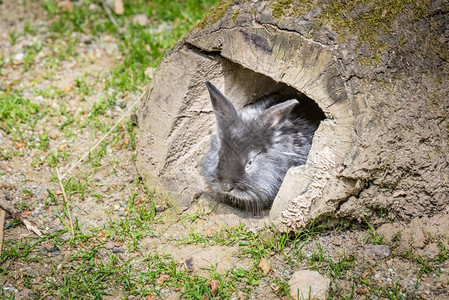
<point x="277" y="113"/>
<point x="223" y="108"/>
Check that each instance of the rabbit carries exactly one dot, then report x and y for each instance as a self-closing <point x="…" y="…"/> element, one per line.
<point x="253" y="148"/>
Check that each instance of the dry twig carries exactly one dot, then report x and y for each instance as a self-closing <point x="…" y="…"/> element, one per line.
<point x="2" y="221"/>
<point x="66" y="203"/>
<point x="106" y="134"/>
<point x="18" y="215"/>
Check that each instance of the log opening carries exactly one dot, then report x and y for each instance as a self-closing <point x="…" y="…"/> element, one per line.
<point x="178" y="118"/>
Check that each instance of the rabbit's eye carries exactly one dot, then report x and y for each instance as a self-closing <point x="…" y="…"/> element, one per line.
<point x="249" y="164"/>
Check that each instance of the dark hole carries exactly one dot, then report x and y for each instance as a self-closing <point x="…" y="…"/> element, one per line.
<point x="244" y="87"/>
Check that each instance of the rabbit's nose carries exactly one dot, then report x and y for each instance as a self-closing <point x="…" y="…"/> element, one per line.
<point x="226" y="187"/>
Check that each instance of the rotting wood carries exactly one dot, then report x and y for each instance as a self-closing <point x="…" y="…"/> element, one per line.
<point x="384" y="148"/>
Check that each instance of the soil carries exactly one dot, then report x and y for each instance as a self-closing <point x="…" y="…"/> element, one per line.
<point x="401" y="275"/>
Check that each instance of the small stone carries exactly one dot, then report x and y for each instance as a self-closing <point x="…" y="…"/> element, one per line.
<point x="188" y="263"/>
<point x="118" y="250"/>
<point x="265" y="265"/>
<point x="135" y="120"/>
<point x="174" y="296"/>
<point x="160" y="208"/>
<point x="8" y="197"/>
<point x="377" y="251"/>
<point x="141" y="20"/>
<point x="9" y="225"/>
<point x="214" y="286"/>
<point x="52" y="249"/>
<point x="57" y="222"/>
<point x="18" y="57"/>
<point x="109" y="245"/>
<point x="94" y="7"/>
<point x="149" y="72"/>
<point x="121" y="104"/>
<point x="306" y="284"/>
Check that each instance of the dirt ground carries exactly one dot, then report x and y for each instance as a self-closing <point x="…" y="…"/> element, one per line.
<point x="116" y="221"/>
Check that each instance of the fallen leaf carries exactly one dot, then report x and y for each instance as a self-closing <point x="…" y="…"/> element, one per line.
<point x="162" y="278"/>
<point x="265" y="266"/>
<point x="68" y="88"/>
<point x="214" y="286"/>
<point x="66" y="5"/>
<point x="366" y="273"/>
<point x="362" y="291"/>
<point x="20" y="145"/>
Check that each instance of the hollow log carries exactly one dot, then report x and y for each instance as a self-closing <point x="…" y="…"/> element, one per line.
<point x="377" y="69"/>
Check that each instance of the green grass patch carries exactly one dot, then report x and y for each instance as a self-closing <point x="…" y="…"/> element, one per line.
<point x="15" y="111"/>
<point x="141" y="46"/>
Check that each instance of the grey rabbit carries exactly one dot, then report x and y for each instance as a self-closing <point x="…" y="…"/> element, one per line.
<point x="254" y="147"/>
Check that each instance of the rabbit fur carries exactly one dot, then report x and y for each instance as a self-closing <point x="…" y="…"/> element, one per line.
<point x="254" y="147"/>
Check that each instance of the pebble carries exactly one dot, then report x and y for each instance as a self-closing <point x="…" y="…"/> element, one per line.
<point x="19" y="57"/>
<point x="377" y="251"/>
<point x="141" y="20"/>
<point x="118" y="250"/>
<point x="9" y="225"/>
<point x="57" y="222"/>
<point x="160" y="208"/>
<point x="52" y="249"/>
<point x="8" y="197"/>
<point x="149" y="72"/>
<point x="109" y="245"/>
<point x="121" y="103"/>
<point x="307" y="284"/>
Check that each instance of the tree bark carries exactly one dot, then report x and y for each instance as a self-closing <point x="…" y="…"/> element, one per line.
<point x="378" y="71"/>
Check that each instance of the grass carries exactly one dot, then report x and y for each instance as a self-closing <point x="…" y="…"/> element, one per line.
<point x="15" y="111"/>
